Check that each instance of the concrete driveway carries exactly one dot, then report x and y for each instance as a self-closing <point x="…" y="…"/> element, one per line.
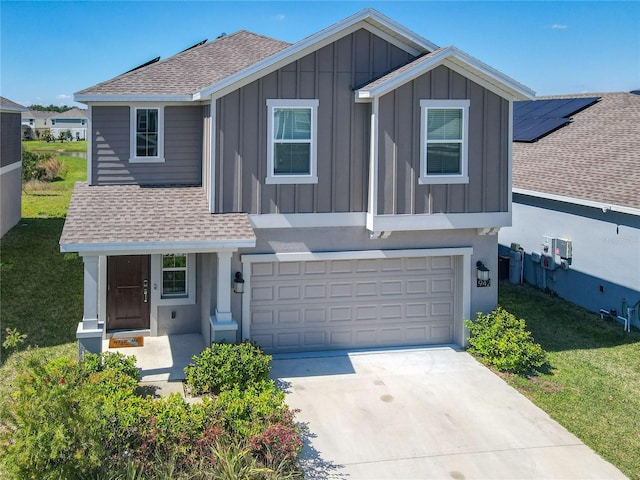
<point x="424" y="413"/>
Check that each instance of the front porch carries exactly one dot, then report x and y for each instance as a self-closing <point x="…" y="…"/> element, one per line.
<point x="163" y="359"/>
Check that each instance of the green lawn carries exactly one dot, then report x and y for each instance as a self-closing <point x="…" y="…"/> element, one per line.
<point x="40" y="145"/>
<point x="51" y="199"/>
<point x="593" y="384"/>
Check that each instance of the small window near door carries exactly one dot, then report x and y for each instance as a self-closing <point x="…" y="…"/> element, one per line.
<point x="174" y="275"/>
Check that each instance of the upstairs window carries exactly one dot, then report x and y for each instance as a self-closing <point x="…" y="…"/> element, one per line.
<point x="444" y="141"/>
<point x="291" y="140"/>
<point x="146" y="134"/>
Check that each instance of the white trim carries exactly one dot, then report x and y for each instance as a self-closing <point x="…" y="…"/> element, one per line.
<point x="248" y="260"/>
<point x="133" y="158"/>
<point x="463" y="176"/>
<point x="148" y="248"/>
<point x="308" y="220"/>
<point x="462" y="63"/>
<point x="312" y="176"/>
<point x="579" y="201"/>
<point x="13" y="109"/>
<point x="212" y="156"/>
<point x="156" y="282"/>
<point x="11" y="167"/>
<point x="439" y="221"/>
<point x="467" y="279"/>
<point x="89" y="145"/>
<point x="510" y="159"/>
<point x="367" y="18"/>
<point x="372" y="209"/>
<point x="102" y="287"/>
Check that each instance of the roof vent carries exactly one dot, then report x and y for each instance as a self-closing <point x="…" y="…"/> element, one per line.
<point x="635" y="92"/>
<point x="146" y="64"/>
<point x="223" y="34"/>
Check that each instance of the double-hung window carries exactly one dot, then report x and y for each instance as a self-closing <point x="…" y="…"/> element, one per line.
<point x="444" y="141"/>
<point x="174" y="275"/>
<point x="291" y="141"/>
<point x="147" y="125"/>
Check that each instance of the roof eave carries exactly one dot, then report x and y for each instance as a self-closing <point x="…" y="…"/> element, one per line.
<point x="102" y="248"/>
<point x="604" y="206"/>
<point x="367" y="17"/>
<point x="464" y="64"/>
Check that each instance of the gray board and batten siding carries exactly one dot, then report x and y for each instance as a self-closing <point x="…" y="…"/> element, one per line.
<point x="183" y="146"/>
<point x="330" y="75"/>
<point x="11" y="146"/>
<point x="399" y="149"/>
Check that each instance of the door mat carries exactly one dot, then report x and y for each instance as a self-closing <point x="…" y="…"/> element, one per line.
<point x="122" y="342"/>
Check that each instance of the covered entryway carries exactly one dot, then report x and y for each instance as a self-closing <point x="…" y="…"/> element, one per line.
<point x="128" y="292"/>
<point x="352" y="303"/>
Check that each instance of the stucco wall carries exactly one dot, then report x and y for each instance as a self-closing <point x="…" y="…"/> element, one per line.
<point x="606" y="252"/>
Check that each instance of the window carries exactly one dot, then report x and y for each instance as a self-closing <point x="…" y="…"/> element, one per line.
<point x="291" y="140"/>
<point x="174" y="275"/>
<point x="444" y="137"/>
<point x="146" y="134"/>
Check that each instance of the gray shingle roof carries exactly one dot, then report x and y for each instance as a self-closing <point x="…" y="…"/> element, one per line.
<point x="5" y="102"/>
<point x="116" y="215"/>
<point x="595" y="158"/>
<point x="192" y="70"/>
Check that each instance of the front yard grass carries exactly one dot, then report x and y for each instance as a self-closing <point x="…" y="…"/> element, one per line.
<point x="41" y="145"/>
<point x="592" y="386"/>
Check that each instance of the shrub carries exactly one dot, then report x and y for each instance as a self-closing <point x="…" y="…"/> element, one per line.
<point x="53" y="169"/>
<point x="503" y="341"/>
<point x="31" y="166"/>
<point x="224" y="366"/>
<point x="114" y="361"/>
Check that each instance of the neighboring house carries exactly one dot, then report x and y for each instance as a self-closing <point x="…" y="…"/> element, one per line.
<point x="35" y="123"/>
<point x="74" y="121"/>
<point x="347" y="184"/>
<point x="581" y="183"/>
<point x="10" y="164"/>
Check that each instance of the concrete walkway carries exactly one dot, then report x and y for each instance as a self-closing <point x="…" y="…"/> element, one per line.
<point x="425" y="414"/>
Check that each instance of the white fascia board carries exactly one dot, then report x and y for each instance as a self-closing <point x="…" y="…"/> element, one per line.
<point x="12" y="109"/>
<point x="11" y="167"/>
<point x="96" y="98"/>
<point x="368" y="19"/>
<point x="579" y="201"/>
<point x="439" y="221"/>
<point x="353" y="255"/>
<point x="148" y="248"/>
<point x="308" y="220"/>
<point x="463" y="64"/>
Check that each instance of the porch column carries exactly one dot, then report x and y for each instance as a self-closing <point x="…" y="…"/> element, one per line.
<point x="89" y="332"/>
<point x="223" y="326"/>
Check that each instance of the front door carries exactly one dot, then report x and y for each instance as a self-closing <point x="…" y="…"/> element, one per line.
<point x="128" y="294"/>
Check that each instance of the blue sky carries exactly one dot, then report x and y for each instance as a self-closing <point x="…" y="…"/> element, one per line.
<point x="49" y="50"/>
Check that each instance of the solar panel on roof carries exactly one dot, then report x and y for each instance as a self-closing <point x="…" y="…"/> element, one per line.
<point x="533" y="119"/>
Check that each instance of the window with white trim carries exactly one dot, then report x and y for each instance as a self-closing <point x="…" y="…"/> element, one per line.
<point x="175" y="283"/>
<point x="291" y="141"/>
<point x="147" y="129"/>
<point x="444" y="141"/>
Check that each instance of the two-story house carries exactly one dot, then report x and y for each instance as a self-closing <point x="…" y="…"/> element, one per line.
<point x="347" y="184"/>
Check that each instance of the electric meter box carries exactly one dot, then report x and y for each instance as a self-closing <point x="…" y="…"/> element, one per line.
<point x="563" y="248"/>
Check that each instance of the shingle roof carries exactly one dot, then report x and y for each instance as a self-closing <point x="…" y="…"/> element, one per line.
<point x="10" y="104"/>
<point x="75" y="112"/>
<point x="594" y="158"/>
<point x="118" y="215"/>
<point x="190" y="71"/>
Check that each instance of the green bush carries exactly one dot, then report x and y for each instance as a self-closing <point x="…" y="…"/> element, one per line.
<point x="502" y="341"/>
<point x="224" y="366"/>
<point x="32" y="168"/>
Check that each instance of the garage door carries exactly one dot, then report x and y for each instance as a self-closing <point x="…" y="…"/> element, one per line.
<point x="337" y="304"/>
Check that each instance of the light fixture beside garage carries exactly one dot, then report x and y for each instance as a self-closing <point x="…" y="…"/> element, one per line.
<point x="238" y="283"/>
<point x="483" y="275"/>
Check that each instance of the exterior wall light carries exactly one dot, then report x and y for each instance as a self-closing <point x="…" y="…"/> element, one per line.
<point x="483" y="275"/>
<point x="238" y="283"/>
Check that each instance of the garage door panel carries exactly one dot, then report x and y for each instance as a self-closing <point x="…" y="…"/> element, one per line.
<point x="321" y="305"/>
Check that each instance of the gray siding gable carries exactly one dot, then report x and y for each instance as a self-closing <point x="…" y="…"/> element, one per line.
<point x="111" y="148"/>
<point x="329" y="74"/>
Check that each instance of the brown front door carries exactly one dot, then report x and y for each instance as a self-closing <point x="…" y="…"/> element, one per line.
<point x="128" y="294"/>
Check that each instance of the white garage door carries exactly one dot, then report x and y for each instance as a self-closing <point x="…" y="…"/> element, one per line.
<point x="336" y="304"/>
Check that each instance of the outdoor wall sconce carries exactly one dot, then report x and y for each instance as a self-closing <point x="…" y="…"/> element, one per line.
<point x="238" y="283"/>
<point x="483" y="275"/>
